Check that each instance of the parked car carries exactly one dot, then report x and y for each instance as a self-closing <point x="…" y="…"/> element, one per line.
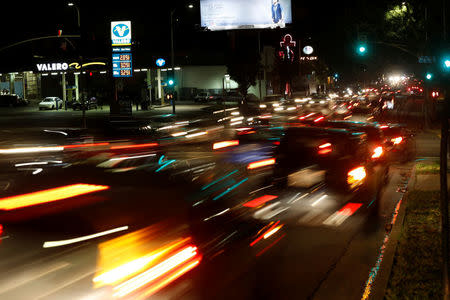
<point x="12" y="100"/>
<point x="50" y="103"/>
<point x="90" y="104"/>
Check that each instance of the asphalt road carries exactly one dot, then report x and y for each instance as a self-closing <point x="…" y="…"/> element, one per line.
<point x="307" y="260"/>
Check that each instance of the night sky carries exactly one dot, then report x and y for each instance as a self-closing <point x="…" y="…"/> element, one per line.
<point x="326" y="25"/>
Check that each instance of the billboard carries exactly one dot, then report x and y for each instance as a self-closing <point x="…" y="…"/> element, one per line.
<point x="248" y="14"/>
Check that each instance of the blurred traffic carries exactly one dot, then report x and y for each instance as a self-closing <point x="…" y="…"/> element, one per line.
<point x="151" y="208"/>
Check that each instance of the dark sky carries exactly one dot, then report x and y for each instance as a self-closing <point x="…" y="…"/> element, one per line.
<point x="328" y="24"/>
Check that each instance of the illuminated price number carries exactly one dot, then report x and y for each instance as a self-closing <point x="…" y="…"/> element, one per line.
<point x="125" y="72"/>
<point x="125" y="57"/>
<point x="125" y="65"/>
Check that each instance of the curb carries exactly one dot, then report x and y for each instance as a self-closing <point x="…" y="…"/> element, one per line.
<point x="381" y="283"/>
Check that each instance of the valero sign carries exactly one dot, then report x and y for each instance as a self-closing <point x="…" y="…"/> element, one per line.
<point x="121" y="33"/>
<point x="52" y="67"/>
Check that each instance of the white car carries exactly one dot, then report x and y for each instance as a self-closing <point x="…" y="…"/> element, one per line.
<point x="50" y="103"/>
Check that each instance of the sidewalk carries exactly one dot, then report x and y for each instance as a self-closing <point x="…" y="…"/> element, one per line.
<point x="416" y="268"/>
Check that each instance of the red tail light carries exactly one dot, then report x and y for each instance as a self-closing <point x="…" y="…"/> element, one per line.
<point x="225" y="144"/>
<point x="397" y="140"/>
<point x="261" y="163"/>
<point x="377" y="152"/>
<point x="325" y="149"/>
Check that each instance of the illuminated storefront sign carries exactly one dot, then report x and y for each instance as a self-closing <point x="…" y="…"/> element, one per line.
<point x="121" y="33"/>
<point x="52" y="67"/>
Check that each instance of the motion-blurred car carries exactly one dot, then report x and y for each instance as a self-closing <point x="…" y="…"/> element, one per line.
<point x="50" y="103"/>
<point x="321" y="174"/>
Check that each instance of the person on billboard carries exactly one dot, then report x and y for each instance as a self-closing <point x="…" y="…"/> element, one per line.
<point x="277" y="12"/>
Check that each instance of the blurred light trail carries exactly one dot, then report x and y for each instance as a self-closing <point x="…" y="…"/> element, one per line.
<point x="157" y="271"/>
<point x="131" y="157"/>
<point x="196" y="134"/>
<point x="319" y="119"/>
<point x="230" y="189"/>
<point x="261" y="236"/>
<point x="47" y="196"/>
<point x="56" y="131"/>
<point x="218" y="180"/>
<point x="177" y="134"/>
<point x="31" y="150"/>
<point x="343" y="214"/>
<point x="272" y="232"/>
<point x="135" y="266"/>
<point x="85" y="145"/>
<point x="270" y="246"/>
<point x="31" y="163"/>
<point x="216" y="215"/>
<point x="318" y="200"/>
<point x="259" y="201"/>
<point x="165" y="165"/>
<point x="326" y="145"/>
<point x="377" y="152"/>
<point x="397" y="140"/>
<point x="225" y="144"/>
<point x="37" y="171"/>
<point x="261" y="163"/>
<point x="134" y="146"/>
<point x="82" y="238"/>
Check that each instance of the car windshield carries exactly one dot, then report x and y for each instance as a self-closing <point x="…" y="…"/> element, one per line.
<point x="224" y="149"/>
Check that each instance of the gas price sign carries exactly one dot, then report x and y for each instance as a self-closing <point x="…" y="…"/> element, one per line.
<point x="122" y="64"/>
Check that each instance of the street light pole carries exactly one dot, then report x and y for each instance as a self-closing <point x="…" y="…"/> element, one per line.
<point x="83" y="102"/>
<point x="172" y="53"/>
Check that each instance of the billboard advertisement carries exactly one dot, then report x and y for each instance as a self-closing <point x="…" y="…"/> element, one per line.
<point x="247" y="14"/>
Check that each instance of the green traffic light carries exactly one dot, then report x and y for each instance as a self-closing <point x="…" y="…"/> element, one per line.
<point x="429" y="76"/>
<point x="447" y="63"/>
<point x="171" y="82"/>
<point x="361" y="49"/>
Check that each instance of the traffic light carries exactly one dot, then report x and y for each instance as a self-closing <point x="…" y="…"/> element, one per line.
<point x="446" y="63"/>
<point x="361" y="49"/>
<point x="170" y="82"/>
<point x="429" y="76"/>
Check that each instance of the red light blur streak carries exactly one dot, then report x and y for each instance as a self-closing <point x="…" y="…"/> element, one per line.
<point x="246" y="132"/>
<point x="262" y="236"/>
<point x="348" y="117"/>
<point x="324" y="151"/>
<point x="47" y="196"/>
<point x="319" y="119"/>
<point x="259" y="201"/>
<point x="85" y="145"/>
<point x="177" y="260"/>
<point x="225" y="144"/>
<point x="349" y="209"/>
<point x="261" y="163"/>
<point x="134" y="146"/>
<point x="270" y="246"/>
<point x="326" y="145"/>
<point x="384" y="126"/>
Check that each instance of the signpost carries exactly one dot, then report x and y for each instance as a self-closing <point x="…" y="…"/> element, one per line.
<point x="122" y="62"/>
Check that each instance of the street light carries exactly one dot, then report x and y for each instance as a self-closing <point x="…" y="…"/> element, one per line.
<point x="172" y="51"/>
<point x="71" y="4"/>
